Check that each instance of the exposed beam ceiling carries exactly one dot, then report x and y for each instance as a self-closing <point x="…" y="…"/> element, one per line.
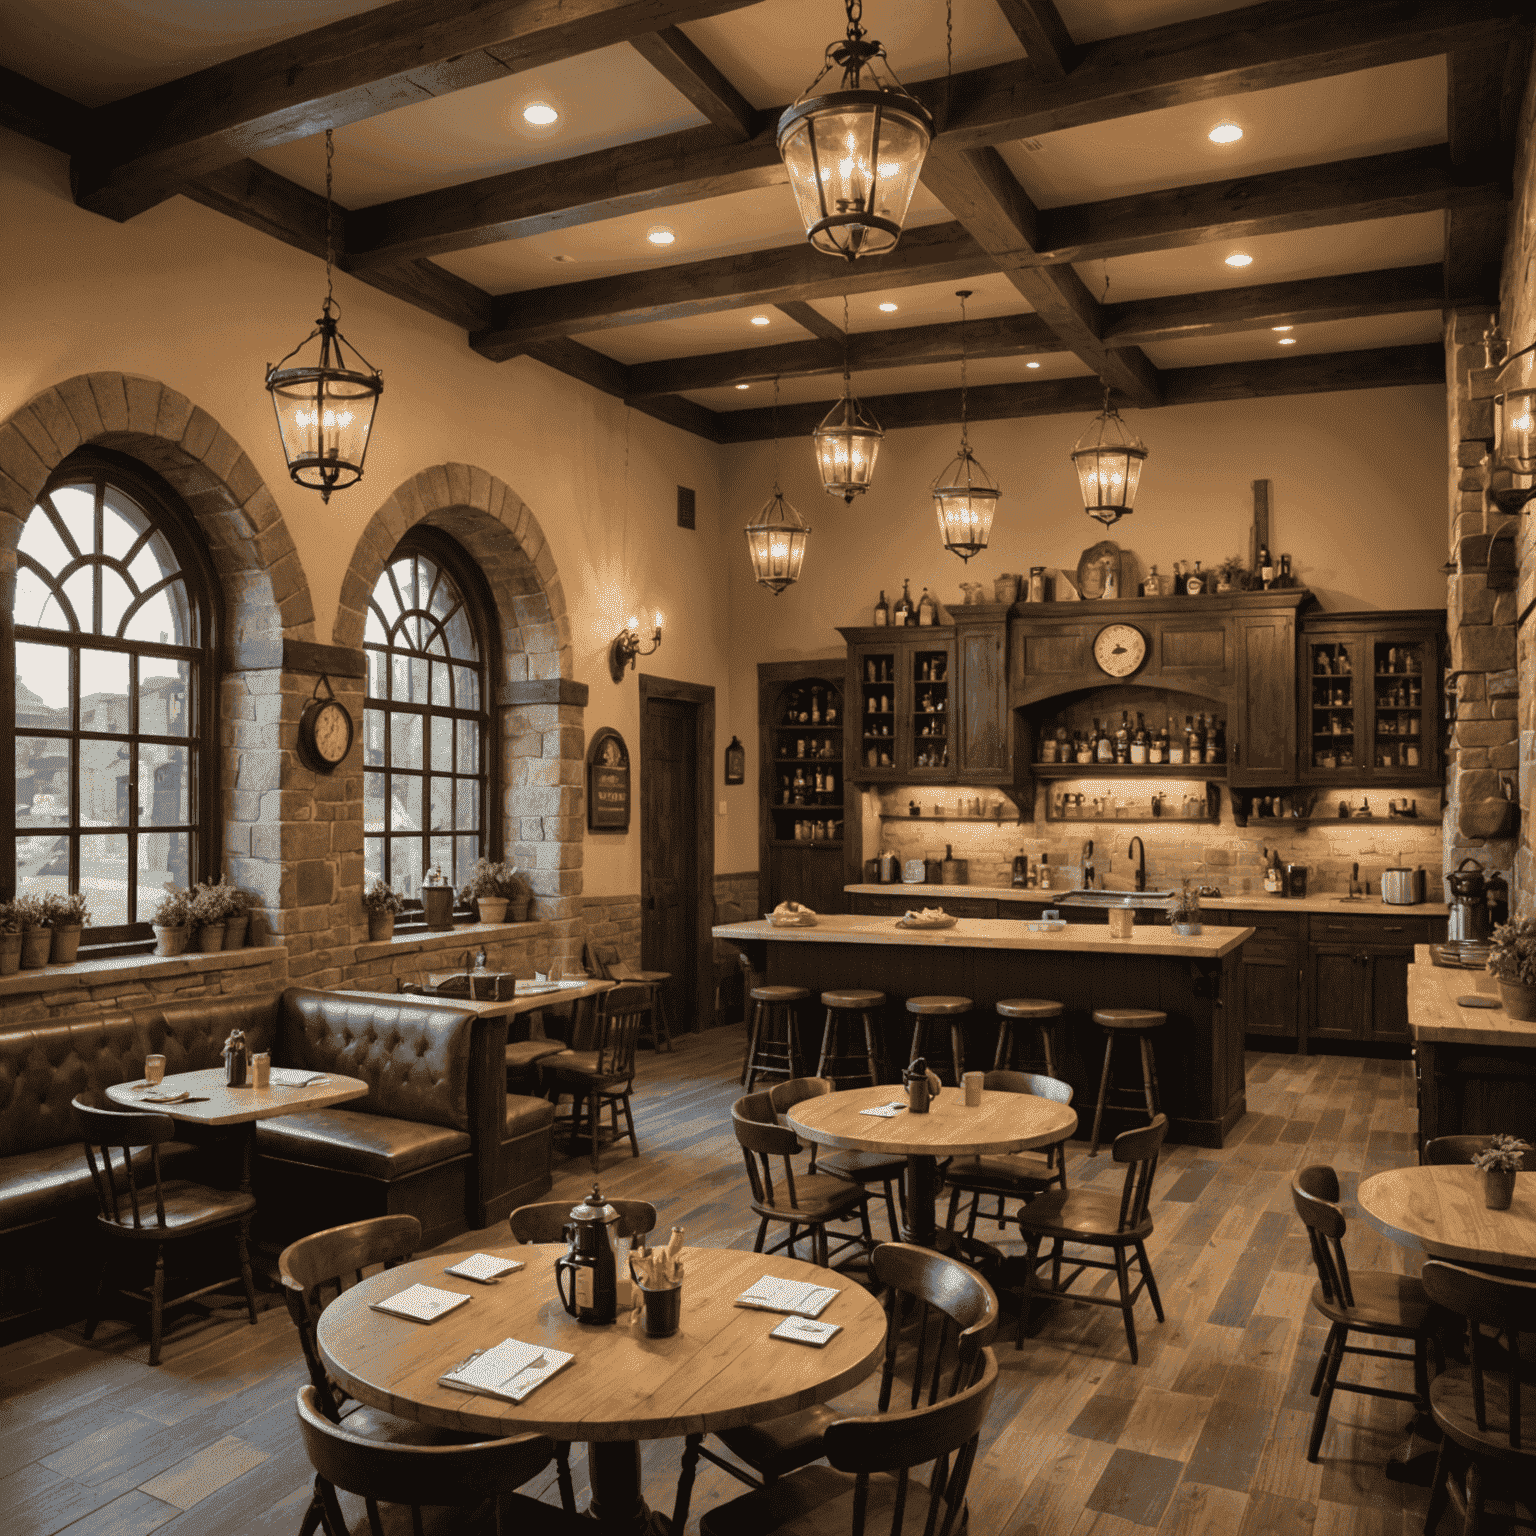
<point x="811" y="318"/>
<point x="141" y="149"/>
<point x="682" y="64"/>
<point x="1038" y="25"/>
<point x="35" y="112"/>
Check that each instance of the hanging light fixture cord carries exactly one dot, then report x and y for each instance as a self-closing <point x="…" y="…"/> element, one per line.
<point x="330" y="220"/>
<point x="847" y="377"/>
<point x="965" y="446"/>
<point x="776" y="490"/>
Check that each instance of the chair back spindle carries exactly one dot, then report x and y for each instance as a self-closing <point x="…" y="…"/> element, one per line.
<point x="620" y="1014"/>
<point x="1315" y="1193"/>
<point x="102" y="1131"/>
<point x="1138" y="1149"/>
<point x="546" y="1222"/>
<point x="964" y="1305"/>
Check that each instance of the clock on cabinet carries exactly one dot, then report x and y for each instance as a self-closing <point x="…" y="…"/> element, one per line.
<point x="325" y="733"/>
<point x="1119" y="649"/>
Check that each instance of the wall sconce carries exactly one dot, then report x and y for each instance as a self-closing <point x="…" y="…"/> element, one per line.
<point x="1514" y="415"/>
<point x="735" y="762"/>
<point x="626" y="646"/>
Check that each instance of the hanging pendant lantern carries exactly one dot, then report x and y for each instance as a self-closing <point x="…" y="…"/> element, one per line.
<point x="854" y="154"/>
<point x="777" y="536"/>
<point x="325" y="410"/>
<point x="1108" y="460"/>
<point x="848" y="439"/>
<point x="965" y="496"/>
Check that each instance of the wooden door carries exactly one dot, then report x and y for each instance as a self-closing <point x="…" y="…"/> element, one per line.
<point x="669" y="895"/>
<point x="1261" y="737"/>
<point x="1386" y="972"/>
<point x="980" y="702"/>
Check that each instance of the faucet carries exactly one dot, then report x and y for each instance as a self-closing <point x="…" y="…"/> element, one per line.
<point x="1085" y="858"/>
<point x="1141" y="868"/>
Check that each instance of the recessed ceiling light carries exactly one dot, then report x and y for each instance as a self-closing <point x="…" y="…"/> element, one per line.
<point x="1282" y="327"/>
<point x="540" y="114"/>
<point x="743" y="386"/>
<point x="1225" y="133"/>
<point x="887" y="308"/>
<point x="1031" y="365"/>
<point x="759" y="319"/>
<point x="659" y="234"/>
<point x="1287" y="341"/>
<point x="1239" y="259"/>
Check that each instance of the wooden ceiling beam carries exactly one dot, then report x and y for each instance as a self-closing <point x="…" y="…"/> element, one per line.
<point x="1223" y="311"/>
<point x="682" y="64"/>
<point x="812" y="319"/>
<point x="932" y="253"/>
<point x="1038" y="25"/>
<point x="1377" y="368"/>
<point x="1306" y="197"/>
<point x="140" y="150"/>
<point x="35" y="112"/>
<point x="984" y="196"/>
<point x="908" y="347"/>
<point x="612" y="378"/>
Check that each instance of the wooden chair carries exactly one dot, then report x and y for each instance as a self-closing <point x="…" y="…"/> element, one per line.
<point x="1375" y="1302"/>
<point x="868" y="1487"/>
<point x="1489" y="1444"/>
<point x="1010" y="1175"/>
<point x="604" y="960"/>
<point x="927" y="1295"/>
<point x="546" y="1222"/>
<point x="605" y="1075"/>
<point x="1462" y="1149"/>
<point x="429" y="1476"/>
<point x="808" y="1200"/>
<point x="861" y="1168"/>
<point x="1094" y="1218"/>
<point x="180" y="1209"/>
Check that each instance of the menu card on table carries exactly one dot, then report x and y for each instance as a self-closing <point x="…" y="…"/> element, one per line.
<point x="798" y="1297"/>
<point x="420" y="1303"/>
<point x="487" y="1268"/>
<point x="509" y="1370"/>
<point x="886" y="1111"/>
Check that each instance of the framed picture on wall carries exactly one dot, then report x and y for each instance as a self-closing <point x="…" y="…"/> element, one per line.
<point x="608" y="794"/>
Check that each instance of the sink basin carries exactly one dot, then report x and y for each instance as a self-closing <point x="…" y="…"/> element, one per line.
<point x="1114" y="898"/>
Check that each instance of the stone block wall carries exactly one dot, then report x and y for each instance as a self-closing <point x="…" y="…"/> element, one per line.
<point x="613" y="920"/>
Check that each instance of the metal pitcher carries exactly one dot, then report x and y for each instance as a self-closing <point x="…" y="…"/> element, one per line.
<point x="590" y="1262"/>
<point x="922" y="1086"/>
<point x="1469" y="902"/>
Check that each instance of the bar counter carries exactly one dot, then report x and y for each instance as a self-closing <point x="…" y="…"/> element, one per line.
<point x="1199" y="1051"/>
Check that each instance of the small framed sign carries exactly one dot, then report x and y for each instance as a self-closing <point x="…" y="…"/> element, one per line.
<point x="735" y="763"/>
<point x="607" y="782"/>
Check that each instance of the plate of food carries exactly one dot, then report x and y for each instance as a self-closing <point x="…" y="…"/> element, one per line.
<point x="929" y="917"/>
<point x="790" y="914"/>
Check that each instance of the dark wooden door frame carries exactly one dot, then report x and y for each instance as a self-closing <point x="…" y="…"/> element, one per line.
<point x="652" y="687"/>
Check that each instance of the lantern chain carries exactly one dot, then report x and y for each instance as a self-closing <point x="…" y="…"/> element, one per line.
<point x="855" y="9"/>
<point x="949" y="47"/>
<point x="330" y="219"/>
<point x="964" y="443"/>
<point x="847" y="377"/>
<point x="776" y="491"/>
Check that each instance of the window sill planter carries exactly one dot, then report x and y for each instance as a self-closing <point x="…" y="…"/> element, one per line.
<point x="381" y="927"/>
<point x="171" y="941"/>
<point x="65" y="946"/>
<point x="36" y="946"/>
<point x="10" y="953"/>
<point x="210" y="938"/>
<point x="493" y="909"/>
<point x="234" y="930"/>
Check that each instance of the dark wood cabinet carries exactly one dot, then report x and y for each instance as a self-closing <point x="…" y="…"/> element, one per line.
<point x="904" y="699"/>
<point x="1261" y="728"/>
<point x="985" y="750"/>
<point x="1357" y="975"/>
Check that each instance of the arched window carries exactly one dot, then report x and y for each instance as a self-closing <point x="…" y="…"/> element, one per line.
<point x="113" y="726"/>
<point x="427" y="748"/>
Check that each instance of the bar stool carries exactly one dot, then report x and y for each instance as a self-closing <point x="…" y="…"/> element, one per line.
<point x="835" y="1053"/>
<point x="1139" y="1023"/>
<point x="951" y="1008"/>
<point x="1037" y="1010"/>
<point x="774" y="1043"/>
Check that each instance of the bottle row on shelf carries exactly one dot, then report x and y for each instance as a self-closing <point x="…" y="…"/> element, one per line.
<point x="1192" y="806"/>
<point x="817" y="787"/>
<point x="904" y="611"/>
<point x="1391" y="753"/>
<point x="811" y="706"/>
<point x="807" y="830"/>
<point x="801" y="746"/>
<point x="1203" y="740"/>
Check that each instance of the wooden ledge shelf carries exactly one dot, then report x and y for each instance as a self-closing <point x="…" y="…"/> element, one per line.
<point x="990" y="821"/>
<point x="1128" y="770"/>
<point x="1336" y="820"/>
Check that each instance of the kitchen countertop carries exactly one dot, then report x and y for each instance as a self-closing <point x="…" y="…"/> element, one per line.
<point x="997" y="933"/>
<point x="1371" y="906"/>
<point x="1436" y="1018"/>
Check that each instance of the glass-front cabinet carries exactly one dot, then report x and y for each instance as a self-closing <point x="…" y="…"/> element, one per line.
<point x="904" y="732"/>
<point x="1370" y="698"/>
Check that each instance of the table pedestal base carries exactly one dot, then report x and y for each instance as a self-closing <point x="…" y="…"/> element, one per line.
<point x="922" y="1228"/>
<point x="617" y="1506"/>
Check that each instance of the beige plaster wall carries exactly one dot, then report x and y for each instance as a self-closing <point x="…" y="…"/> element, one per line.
<point x="202" y="304"/>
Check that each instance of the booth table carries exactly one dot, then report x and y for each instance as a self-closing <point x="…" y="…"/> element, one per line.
<point x="719" y="1371"/>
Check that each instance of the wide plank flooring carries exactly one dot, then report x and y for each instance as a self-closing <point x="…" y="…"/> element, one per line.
<point x="1207" y="1435"/>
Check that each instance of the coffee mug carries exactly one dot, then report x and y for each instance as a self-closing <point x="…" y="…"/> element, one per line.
<point x="154" y="1070"/>
<point x="973" y="1083"/>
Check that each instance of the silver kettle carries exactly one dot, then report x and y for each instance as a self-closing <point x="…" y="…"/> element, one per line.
<point x="1402" y="887"/>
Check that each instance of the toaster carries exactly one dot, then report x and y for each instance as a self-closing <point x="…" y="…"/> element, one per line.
<point x="1402" y="887"/>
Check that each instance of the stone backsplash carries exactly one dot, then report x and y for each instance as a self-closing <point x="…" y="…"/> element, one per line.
<point x="1221" y="854"/>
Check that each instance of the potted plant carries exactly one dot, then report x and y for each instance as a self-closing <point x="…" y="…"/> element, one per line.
<point x="1184" y="912"/>
<point x="209" y="908"/>
<point x="382" y="902"/>
<point x="1513" y="960"/>
<point x="1231" y="575"/>
<point x="1500" y="1161"/>
<point x="10" y="939"/>
<point x="491" y="886"/>
<point x="67" y="915"/>
<point x="36" y="935"/>
<point x="238" y="919"/>
<point x="172" y="921"/>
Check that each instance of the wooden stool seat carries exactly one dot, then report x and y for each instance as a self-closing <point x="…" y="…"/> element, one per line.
<point x="1039" y="1010"/>
<point x="939" y="1007"/>
<point x="1138" y="1023"/>
<point x="840" y="1061"/>
<point x="773" y="1036"/>
<point x="852" y="997"/>
<point x="779" y="994"/>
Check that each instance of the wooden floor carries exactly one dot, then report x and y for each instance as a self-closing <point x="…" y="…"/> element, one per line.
<point x="1206" y="1435"/>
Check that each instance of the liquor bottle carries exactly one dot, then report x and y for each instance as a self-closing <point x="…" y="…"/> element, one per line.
<point x="1175" y="747"/>
<point x="1084" y="748"/>
<point x="815" y="706"/>
<point x="1045" y="871"/>
<point x="1180" y="582"/>
<point x="1021" y="869"/>
<point x="1104" y="752"/>
<point x="1191" y="741"/>
<point x="1123" y="739"/>
<point x="1266" y="567"/>
<point x="1194" y="583"/>
<point x="1047" y="747"/>
<point x="1152" y="586"/>
<point x="927" y="609"/>
<point x="1217" y="746"/>
<point x="1157" y="747"/>
<point x="1286" y="579"/>
<point x="901" y="615"/>
<point x="1139" y="744"/>
<point x="882" y="611"/>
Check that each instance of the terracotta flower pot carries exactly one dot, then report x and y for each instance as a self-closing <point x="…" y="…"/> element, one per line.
<point x="1519" y="1000"/>
<point x="1498" y="1188"/>
<point x="36" y="946"/>
<point x="381" y="927"/>
<point x="171" y="941"/>
<point x="234" y="930"/>
<point x="210" y="938"/>
<point x="493" y="909"/>
<point x="10" y="953"/>
<point x="66" y="945"/>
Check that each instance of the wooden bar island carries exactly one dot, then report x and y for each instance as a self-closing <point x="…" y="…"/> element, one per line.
<point x="1192" y="979"/>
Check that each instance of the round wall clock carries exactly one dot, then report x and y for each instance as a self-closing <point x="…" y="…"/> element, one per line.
<point x="1119" y="649"/>
<point x="325" y="735"/>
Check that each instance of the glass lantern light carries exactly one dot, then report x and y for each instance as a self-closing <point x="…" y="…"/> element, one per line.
<point x="776" y="541"/>
<point x="325" y="409"/>
<point x="1514" y="407"/>
<point x="854" y="154"/>
<point x="1108" y="459"/>
<point x="847" y="445"/>
<point x="965" y="496"/>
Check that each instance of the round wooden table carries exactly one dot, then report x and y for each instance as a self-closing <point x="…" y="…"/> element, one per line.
<point x="1002" y="1122"/>
<point x="1439" y="1210"/>
<point x="721" y="1370"/>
